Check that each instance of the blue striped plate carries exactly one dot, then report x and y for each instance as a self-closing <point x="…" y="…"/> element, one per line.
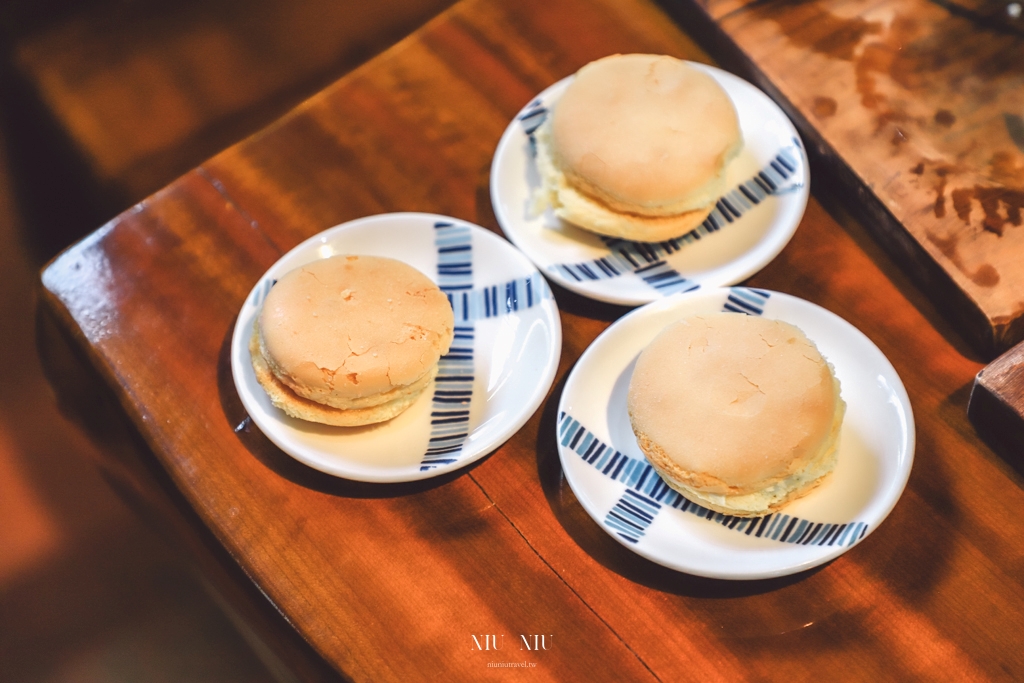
<point x="618" y="488"/>
<point x="768" y="191"/>
<point x="508" y="339"/>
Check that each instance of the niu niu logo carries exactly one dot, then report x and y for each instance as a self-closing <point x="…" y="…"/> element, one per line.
<point x="539" y="642"/>
<point x="488" y="642"/>
<point x="532" y="642"/>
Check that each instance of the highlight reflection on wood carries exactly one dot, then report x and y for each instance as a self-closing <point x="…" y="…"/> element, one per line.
<point x="392" y="582"/>
<point x="144" y="91"/>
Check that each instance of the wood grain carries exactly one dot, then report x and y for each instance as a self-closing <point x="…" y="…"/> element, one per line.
<point x="389" y="582"/>
<point x="145" y="91"/>
<point x="915" y="106"/>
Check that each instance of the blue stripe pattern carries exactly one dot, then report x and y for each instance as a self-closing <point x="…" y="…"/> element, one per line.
<point x="449" y="411"/>
<point x="647" y="493"/>
<point x="453" y="386"/>
<point x="647" y="259"/>
<point x="261" y="292"/>
<point x="471" y="304"/>
<point x="532" y="117"/>
<point x="746" y="300"/>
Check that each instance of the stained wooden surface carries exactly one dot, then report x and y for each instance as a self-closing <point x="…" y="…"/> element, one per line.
<point x="389" y="582"/>
<point x="918" y="105"/>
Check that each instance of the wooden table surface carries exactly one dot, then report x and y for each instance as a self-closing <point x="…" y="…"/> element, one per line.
<point x="390" y="582"/>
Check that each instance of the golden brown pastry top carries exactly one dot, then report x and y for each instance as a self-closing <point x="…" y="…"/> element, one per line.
<point x="348" y="327"/>
<point x="736" y="402"/>
<point x="645" y="134"/>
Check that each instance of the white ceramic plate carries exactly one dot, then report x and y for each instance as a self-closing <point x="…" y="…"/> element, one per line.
<point x="629" y="501"/>
<point x="508" y="340"/>
<point x="724" y="254"/>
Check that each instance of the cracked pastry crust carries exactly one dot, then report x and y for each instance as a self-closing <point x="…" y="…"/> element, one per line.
<point x="394" y="402"/>
<point x="350" y="340"/>
<point x="740" y="414"/>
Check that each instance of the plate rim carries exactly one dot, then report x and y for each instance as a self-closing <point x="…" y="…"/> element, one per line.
<point x="894" y="486"/>
<point x="239" y="354"/>
<point x="506" y="142"/>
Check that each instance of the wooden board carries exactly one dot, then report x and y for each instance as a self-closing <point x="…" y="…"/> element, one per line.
<point x="915" y="108"/>
<point x="996" y="407"/>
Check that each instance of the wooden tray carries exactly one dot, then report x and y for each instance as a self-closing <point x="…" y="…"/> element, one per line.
<point x="915" y="108"/>
<point x="996" y="407"/>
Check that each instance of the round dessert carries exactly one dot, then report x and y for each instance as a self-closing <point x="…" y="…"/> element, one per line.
<point x="637" y="147"/>
<point x="740" y="414"/>
<point x="350" y="340"/>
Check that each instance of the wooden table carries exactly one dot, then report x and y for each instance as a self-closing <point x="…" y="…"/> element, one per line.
<point x="391" y="582"/>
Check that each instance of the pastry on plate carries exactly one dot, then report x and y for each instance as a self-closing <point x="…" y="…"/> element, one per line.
<point x="740" y="414"/>
<point x="350" y="340"/>
<point x="637" y="147"/>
